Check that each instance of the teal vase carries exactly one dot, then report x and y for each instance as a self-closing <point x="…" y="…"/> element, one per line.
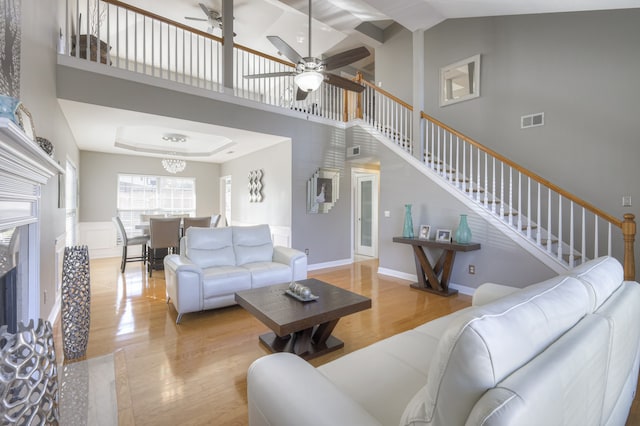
<point x="8" y="106"/>
<point x="407" y="231"/>
<point x="463" y="233"/>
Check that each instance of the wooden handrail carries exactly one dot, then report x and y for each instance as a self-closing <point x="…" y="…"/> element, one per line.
<point x="538" y="178"/>
<point x="387" y="94"/>
<point x="163" y="19"/>
<point x="194" y="30"/>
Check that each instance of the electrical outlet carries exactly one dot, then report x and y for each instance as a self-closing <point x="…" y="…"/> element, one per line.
<point x="472" y="269"/>
<point x="626" y="201"/>
<point x="306" y="251"/>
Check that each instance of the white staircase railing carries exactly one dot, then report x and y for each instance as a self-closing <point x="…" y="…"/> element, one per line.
<point x="557" y="222"/>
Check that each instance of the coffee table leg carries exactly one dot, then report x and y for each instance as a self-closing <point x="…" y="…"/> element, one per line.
<point x="323" y="332"/>
<point x="302" y="342"/>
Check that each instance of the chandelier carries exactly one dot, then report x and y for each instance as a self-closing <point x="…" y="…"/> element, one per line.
<point x="173" y="165"/>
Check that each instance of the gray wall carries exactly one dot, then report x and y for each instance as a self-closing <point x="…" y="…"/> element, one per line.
<point x="38" y="93"/>
<point x="394" y="63"/>
<point x="580" y="69"/>
<point x="313" y="145"/>
<point x="275" y="207"/>
<point x="100" y="170"/>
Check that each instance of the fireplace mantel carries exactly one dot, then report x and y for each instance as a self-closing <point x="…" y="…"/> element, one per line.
<point x="24" y="169"/>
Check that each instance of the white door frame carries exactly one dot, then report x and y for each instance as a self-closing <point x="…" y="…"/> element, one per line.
<point x="375" y="174"/>
<point x="222" y="200"/>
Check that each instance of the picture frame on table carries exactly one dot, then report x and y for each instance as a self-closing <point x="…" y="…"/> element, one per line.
<point x="25" y="120"/>
<point x="443" y="235"/>
<point x="424" y="232"/>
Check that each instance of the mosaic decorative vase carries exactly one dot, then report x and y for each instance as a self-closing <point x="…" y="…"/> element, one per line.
<point x="463" y="233"/>
<point x="76" y="302"/>
<point x="407" y="230"/>
<point x="28" y="376"/>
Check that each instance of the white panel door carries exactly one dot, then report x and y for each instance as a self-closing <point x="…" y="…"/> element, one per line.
<point x="366" y="236"/>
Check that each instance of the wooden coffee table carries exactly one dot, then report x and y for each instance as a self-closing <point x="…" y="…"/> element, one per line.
<point x="303" y="328"/>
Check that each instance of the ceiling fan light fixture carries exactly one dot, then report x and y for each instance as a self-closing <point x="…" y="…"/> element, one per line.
<point x="309" y="81"/>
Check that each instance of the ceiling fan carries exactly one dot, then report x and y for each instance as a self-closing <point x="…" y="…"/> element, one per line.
<point x="213" y="17"/>
<point x="310" y="72"/>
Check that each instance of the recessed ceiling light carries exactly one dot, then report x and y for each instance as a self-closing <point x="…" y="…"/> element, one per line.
<point x="174" y="137"/>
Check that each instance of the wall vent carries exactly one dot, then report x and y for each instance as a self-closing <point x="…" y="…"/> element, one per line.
<point x="532" y="120"/>
<point x="353" y="151"/>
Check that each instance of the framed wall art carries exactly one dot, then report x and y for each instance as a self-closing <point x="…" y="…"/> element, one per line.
<point x="323" y="190"/>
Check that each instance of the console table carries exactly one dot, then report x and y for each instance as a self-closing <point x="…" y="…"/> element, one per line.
<point x="427" y="274"/>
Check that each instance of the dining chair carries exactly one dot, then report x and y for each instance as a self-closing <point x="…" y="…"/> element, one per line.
<point x="127" y="241"/>
<point x="215" y="219"/>
<point x="164" y="238"/>
<point x="200" y="222"/>
<point x="144" y="218"/>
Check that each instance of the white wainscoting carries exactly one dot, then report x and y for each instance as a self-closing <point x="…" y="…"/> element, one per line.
<point x="101" y="238"/>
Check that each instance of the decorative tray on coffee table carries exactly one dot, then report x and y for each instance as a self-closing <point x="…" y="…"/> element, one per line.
<point x="311" y="298"/>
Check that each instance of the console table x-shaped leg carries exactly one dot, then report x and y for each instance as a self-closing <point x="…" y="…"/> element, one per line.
<point x="435" y="278"/>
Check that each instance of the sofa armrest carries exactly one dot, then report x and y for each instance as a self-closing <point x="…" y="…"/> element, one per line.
<point x="183" y="284"/>
<point x="283" y="389"/>
<point x="488" y="292"/>
<point x="296" y="260"/>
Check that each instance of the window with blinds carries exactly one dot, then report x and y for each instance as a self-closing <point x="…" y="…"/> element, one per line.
<point x="154" y="195"/>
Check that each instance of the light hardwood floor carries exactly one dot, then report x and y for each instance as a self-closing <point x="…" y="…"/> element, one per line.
<point x="195" y="373"/>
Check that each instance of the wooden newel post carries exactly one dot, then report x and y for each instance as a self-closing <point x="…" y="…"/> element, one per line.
<point x="629" y="234"/>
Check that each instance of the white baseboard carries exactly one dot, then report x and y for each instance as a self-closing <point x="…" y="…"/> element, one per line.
<point x="413" y="278"/>
<point x="332" y="264"/>
<point x="55" y="311"/>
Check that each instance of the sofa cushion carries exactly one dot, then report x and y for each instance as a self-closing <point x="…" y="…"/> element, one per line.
<point x="224" y="280"/>
<point x="207" y="247"/>
<point x="487" y="343"/>
<point x="563" y="385"/>
<point x="268" y="273"/>
<point x="601" y="276"/>
<point x="252" y="244"/>
<point x="396" y="368"/>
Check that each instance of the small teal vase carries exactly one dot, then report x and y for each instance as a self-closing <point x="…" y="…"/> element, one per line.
<point x="463" y="233"/>
<point x="8" y="106"/>
<point x="407" y="231"/>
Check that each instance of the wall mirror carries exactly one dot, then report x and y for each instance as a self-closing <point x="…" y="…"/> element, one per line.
<point x="460" y="81"/>
<point x="323" y="190"/>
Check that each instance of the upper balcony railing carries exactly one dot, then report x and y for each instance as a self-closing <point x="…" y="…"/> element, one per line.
<point x="126" y="37"/>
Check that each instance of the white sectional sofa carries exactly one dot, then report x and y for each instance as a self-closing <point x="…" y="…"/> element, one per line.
<point x="559" y="352"/>
<point x="214" y="263"/>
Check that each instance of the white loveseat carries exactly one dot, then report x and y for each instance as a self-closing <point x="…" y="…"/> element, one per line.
<point x="214" y="263"/>
<point x="560" y="352"/>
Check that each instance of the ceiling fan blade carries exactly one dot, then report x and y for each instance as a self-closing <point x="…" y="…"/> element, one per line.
<point x="285" y="49"/>
<point x="205" y="9"/>
<point x="301" y="95"/>
<point x="195" y="19"/>
<point x="271" y="74"/>
<point x="347" y="57"/>
<point x="343" y="83"/>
